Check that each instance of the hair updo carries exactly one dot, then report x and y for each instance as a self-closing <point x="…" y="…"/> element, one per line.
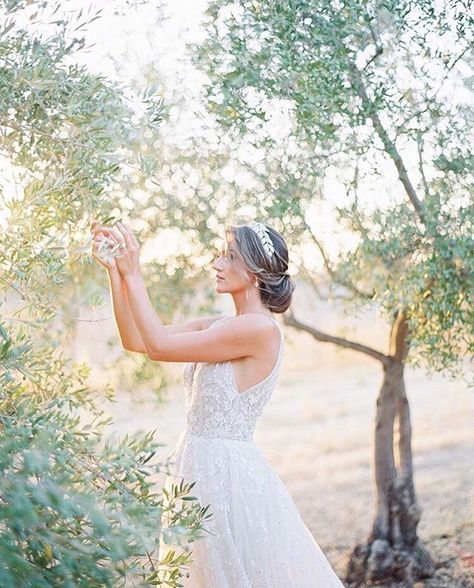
<point x="275" y="284"/>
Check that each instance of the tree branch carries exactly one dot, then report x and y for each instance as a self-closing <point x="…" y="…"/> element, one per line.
<point x="34" y="303"/>
<point x="290" y="320"/>
<point x="399" y="337"/>
<point x="333" y="273"/>
<point x="389" y="145"/>
<point x="378" y="51"/>
<point x="419" y="146"/>
<point x="376" y="39"/>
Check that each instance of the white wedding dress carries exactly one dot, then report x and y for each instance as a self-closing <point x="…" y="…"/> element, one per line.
<point x="256" y="537"/>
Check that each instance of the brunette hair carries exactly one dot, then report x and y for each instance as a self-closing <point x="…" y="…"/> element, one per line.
<point x="275" y="284"/>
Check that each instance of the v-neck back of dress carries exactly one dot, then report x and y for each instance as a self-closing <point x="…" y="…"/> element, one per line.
<point x="214" y="405"/>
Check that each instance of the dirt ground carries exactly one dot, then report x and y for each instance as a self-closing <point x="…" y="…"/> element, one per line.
<point x="316" y="431"/>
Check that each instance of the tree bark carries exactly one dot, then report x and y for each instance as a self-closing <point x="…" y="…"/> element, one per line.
<point x="393" y="549"/>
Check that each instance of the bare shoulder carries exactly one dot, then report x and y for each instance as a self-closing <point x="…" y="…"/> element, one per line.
<point x="256" y="332"/>
<point x="245" y="325"/>
<point x="255" y="323"/>
<point x="236" y="337"/>
<point x="206" y="321"/>
<point x="190" y="326"/>
<point x="249" y="322"/>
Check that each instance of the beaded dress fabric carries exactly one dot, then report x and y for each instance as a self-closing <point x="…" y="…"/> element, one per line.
<point x="256" y="537"/>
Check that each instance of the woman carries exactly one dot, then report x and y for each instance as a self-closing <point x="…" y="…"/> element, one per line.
<point x="256" y="537"/>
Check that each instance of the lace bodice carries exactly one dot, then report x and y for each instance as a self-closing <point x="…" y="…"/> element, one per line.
<point x="215" y="407"/>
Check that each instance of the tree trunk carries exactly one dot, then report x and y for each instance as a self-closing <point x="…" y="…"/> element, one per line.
<point x="392" y="550"/>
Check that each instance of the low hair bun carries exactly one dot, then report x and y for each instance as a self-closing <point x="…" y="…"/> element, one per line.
<point x="277" y="297"/>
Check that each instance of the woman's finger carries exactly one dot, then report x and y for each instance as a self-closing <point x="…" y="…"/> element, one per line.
<point x="111" y="236"/>
<point x="105" y="245"/>
<point x="96" y="226"/>
<point x="132" y="235"/>
<point x="101" y="260"/>
<point x="100" y="230"/>
<point x="120" y="244"/>
<point x="117" y="236"/>
<point x="125" y="234"/>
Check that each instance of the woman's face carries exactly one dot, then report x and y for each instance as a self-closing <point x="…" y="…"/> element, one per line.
<point x="231" y="274"/>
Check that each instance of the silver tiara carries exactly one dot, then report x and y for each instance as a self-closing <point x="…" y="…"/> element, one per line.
<point x="262" y="232"/>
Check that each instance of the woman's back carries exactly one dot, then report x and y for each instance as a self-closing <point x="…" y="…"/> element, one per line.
<point x="214" y="405"/>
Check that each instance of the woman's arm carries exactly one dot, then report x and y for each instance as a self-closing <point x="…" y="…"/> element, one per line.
<point x="129" y="334"/>
<point x="239" y="337"/>
<point x="244" y="337"/>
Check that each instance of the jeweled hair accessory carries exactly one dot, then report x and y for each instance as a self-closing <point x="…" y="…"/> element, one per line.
<point x="262" y="232"/>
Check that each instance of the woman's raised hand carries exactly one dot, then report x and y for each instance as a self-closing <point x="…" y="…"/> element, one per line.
<point x="116" y="248"/>
<point x="128" y="255"/>
<point x="104" y="243"/>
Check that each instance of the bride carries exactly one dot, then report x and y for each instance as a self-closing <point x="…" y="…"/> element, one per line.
<point x="256" y="537"/>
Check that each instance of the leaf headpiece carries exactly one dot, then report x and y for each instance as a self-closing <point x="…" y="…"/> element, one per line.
<point x="262" y="232"/>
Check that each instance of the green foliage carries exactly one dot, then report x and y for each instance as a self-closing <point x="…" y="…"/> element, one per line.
<point x="77" y="508"/>
<point x="368" y="91"/>
<point x="398" y="262"/>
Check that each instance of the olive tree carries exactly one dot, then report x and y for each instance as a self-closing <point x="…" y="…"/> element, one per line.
<point x="368" y="92"/>
<point x="77" y="507"/>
